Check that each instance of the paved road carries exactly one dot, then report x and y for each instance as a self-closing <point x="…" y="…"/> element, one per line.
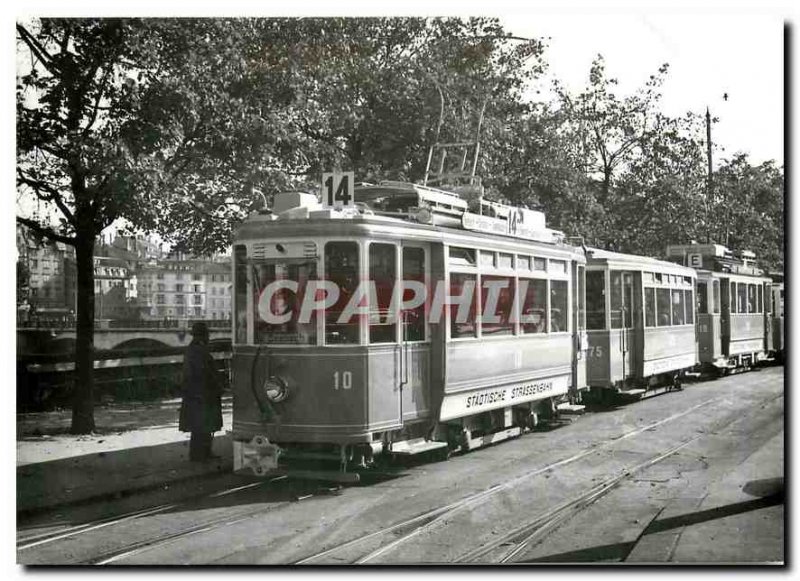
<point x="687" y="477"/>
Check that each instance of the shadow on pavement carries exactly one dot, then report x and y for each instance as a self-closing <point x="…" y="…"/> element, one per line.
<point x="619" y="551"/>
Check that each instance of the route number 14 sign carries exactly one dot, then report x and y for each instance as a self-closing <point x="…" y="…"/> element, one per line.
<point x="337" y="190"/>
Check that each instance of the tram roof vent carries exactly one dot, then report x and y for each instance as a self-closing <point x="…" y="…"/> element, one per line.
<point x="289" y="200"/>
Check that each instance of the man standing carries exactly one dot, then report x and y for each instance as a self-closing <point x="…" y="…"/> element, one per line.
<point x="201" y="408"/>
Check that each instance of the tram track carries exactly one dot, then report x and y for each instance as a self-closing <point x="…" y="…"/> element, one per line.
<point x="37" y="540"/>
<point x="377" y="542"/>
<point x="417" y="525"/>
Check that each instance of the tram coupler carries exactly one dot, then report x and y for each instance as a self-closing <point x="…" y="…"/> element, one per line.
<point x="259" y="456"/>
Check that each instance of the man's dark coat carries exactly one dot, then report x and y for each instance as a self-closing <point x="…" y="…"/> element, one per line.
<point x="201" y="408"/>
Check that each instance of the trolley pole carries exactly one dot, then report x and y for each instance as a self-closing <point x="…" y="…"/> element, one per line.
<point x="709" y="182"/>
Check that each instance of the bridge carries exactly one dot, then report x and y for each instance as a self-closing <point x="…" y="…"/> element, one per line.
<point x="58" y="336"/>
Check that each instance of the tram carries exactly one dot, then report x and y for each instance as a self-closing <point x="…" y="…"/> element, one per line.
<point x="734" y="322"/>
<point x="413" y="320"/>
<point x="640" y="323"/>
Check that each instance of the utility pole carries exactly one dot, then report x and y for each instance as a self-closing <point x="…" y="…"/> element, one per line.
<point x="709" y="182"/>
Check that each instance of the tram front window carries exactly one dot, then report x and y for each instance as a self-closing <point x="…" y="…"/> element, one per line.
<point x="559" y="302"/>
<point x="595" y="300"/>
<point x="279" y="288"/>
<point x="341" y="268"/>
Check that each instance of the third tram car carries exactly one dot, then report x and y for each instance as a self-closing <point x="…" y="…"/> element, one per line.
<point x="734" y="323"/>
<point x="406" y="324"/>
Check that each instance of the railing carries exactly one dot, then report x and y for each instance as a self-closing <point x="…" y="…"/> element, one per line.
<point x="160" y="324"/>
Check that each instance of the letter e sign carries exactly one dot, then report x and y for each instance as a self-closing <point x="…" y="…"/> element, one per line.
<point x="695" y="260"/>
<point x="337" y="190"/>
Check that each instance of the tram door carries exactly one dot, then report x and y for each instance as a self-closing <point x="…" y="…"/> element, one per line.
<point x="414" y="355"/>
<point x="622" y="311"/>
<point x="580" y="339"/>
<point x="725" y="314"/>
<point x="766" y="291"/>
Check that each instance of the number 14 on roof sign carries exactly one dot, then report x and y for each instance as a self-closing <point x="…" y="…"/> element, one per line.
<point x="337" y="190"/>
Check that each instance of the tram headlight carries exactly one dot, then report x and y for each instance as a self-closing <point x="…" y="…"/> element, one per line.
<point x="276" y="389"/>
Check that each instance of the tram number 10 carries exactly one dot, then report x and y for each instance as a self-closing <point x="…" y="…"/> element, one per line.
<point x="342" y="380"/>
<point x="338" y="190"/>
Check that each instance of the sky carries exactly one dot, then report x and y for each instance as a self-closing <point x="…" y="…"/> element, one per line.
<point x="709" y="55"/>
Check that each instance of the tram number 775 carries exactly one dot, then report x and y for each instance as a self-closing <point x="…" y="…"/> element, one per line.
<point x="342" y="380"/>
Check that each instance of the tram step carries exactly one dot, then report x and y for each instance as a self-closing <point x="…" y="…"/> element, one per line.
<point x="632" y="392"/>
<point x="571" y="408"/>
<point x="417" y="446"/>
<point x="473" y="443"/>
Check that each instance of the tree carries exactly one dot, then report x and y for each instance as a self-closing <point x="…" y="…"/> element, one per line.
<point x="749" y="214"/>
<point x="176" y="125"/>
<point x="117" y="117"/>
<point x="608" y="131"/>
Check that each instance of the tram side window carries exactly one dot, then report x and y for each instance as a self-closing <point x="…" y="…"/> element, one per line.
<point x="715" y="297"/>
<point x="649" y="307"/>
<point x="240" y="292"/>
<point x="462" y="308"/>
<point x="534" y="305"/>
<point x="751" y="298"/>
<point x="414" y="270"/>
<point x="733" y="299"/>
<point x="702" y="298"/>
<point x="678" y="317"/>
<point x="662" y="307"/>
<point x="559" y="305"/>
<point x="595" y="300"/>
<point x="341" y="268"/>
<point x="382" y="322"/>
<point x="689" y="307"/>
<point x="497" y="304"/>
<point x="760" y="304"/>
<point x="741" y="293"/>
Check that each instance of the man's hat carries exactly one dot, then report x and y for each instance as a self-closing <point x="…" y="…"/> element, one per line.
<point x="199" y="328"/>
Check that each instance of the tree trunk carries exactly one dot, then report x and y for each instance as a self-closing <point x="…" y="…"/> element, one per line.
<point x="83" y="393"/>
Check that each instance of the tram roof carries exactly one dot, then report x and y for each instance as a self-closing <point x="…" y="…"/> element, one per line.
<point x="643" y="262"/>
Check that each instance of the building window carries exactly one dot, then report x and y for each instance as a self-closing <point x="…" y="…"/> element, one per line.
<point x="160" y="276"/>
<point x="197" y="288"/>
<point x="179" y="311"/>
<point x="160" y="299"/>
<point x="197" y="276"/>
<point x="198" y="311"/>
<point x="179" y="299"/>
<point x="198" y="300"/>
<point x="178" y="288"/>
